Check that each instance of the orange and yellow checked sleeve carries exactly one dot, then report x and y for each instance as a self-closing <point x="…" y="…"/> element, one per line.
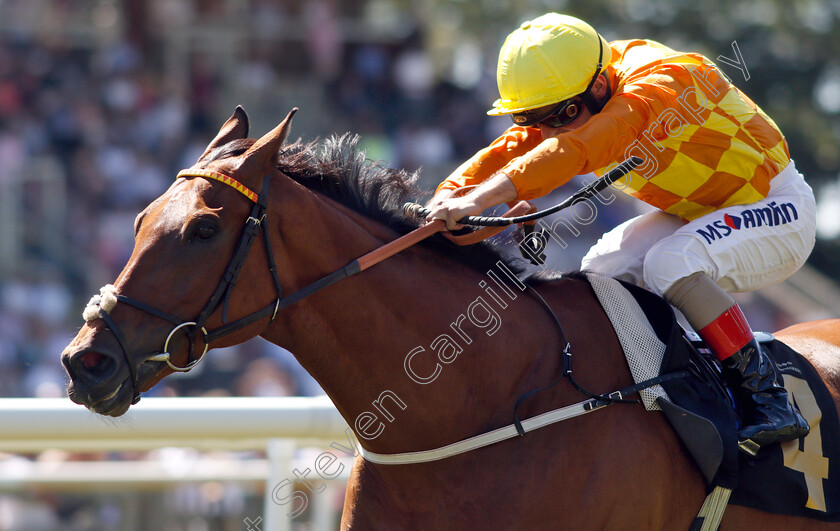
<point x="536" y="167"/>
<point x="514" y="143"/>
<point x="601" y="141"/>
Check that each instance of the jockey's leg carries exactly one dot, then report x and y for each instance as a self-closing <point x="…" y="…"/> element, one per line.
<point x="753" y="374"/>
<point x="740" y="248"/>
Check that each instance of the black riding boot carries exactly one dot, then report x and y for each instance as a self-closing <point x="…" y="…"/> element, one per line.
<point x="757" y="382"/>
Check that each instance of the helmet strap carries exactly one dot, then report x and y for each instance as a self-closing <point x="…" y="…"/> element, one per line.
<point x="594" y="105"/>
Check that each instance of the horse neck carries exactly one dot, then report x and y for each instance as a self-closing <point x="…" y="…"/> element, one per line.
<point x="354" y="337"/>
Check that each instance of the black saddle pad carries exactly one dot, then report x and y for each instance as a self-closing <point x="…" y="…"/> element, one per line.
<point x="801" y="477"/>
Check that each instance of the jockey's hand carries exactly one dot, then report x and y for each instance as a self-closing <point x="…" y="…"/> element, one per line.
<point x="440" y="197"/>
<point x="452" y="209"/>
<point x="494" y="191"/>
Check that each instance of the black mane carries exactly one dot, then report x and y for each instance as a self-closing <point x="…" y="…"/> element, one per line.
<point x="336" y="168"/>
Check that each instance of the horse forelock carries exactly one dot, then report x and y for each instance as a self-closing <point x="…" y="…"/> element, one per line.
<point x="338" y="169"/>
<point x="231" y="149"/>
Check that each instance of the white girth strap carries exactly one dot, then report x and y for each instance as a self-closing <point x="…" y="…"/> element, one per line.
<point x="485" y="439"/>
<point x="632" y="328"/>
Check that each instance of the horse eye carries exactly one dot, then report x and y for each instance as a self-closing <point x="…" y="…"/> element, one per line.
<point x="204" y="231"/>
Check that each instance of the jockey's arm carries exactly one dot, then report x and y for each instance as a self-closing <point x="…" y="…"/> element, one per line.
<point x="523" y="165"/>
<point x="482" y="173"/>
<point x="513" y="143"/>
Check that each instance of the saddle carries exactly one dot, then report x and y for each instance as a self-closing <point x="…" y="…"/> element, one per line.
<point x="798" y="478"/>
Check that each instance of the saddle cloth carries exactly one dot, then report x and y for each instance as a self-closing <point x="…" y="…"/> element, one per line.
<point x="799" y="478"/>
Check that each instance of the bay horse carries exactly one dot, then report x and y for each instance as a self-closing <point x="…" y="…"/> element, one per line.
<point x="369" y="341"/>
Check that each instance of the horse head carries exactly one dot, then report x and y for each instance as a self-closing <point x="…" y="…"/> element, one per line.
<point x="178" y="282"/>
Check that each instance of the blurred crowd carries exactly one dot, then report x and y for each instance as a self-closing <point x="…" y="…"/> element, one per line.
<point x="91" y="134"/>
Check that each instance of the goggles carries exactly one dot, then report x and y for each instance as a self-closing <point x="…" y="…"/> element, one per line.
<point x="561" y="115"/>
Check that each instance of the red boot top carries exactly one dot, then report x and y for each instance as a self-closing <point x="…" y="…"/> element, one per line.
<point x="728" y="333"/>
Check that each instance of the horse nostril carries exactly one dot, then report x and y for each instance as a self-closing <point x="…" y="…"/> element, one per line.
<point x="92" y="364"/>
<point x="91" y="359"/>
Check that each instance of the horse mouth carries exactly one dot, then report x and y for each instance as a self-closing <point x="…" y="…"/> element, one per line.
<point x="113" y="404"/>
<point x="101" y="381"/>
<point x="148" y="374"/>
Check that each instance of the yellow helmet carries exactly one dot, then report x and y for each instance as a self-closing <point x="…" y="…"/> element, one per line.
<point x="547" y="60"/>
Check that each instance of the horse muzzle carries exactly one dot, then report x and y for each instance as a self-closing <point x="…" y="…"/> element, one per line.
<point x="98" y="380"/>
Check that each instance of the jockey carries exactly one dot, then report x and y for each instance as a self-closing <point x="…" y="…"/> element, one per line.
<point x="733" y="214"/>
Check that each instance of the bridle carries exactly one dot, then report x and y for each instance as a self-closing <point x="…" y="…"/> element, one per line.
<point x="221" y="296"/>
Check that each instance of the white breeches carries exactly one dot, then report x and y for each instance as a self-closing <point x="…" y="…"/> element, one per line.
<point x="742" y="248"/>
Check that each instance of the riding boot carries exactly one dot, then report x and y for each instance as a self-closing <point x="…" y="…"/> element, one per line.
<point x="774" y="419"/>
<point x="756" y="381"/>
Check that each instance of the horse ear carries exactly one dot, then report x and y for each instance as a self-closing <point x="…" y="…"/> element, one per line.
<point x="264" y="149"/>
<point x="235" y="128"/>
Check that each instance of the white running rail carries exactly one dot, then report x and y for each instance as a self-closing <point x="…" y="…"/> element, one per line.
<point x="276" y="425"/>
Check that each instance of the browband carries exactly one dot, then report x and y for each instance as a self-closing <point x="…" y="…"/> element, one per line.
<point x="222" y="178"/>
